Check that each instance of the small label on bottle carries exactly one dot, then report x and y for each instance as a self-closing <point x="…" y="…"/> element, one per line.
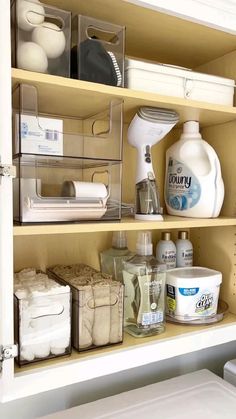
<point x="187" y="256"/>
<point x="169" y="258"/>
<point x="183" y="189"/>
<point x="152" y="318"/>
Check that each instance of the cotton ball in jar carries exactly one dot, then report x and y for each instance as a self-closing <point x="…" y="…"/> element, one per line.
<point x="29" y="14"/>
<point x="51" y="38"/>
<point x="31" y="56"/>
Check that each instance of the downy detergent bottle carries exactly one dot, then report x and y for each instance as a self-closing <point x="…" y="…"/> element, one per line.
<point x="193" y="185"/>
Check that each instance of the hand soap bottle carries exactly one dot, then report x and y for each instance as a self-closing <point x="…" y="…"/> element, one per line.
<point x="111" y="260"/>
<point x="144" y="280"/>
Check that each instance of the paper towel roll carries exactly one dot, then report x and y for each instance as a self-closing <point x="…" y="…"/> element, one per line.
<point x="80" y="189"/>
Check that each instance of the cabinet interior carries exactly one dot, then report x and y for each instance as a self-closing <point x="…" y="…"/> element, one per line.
<point x="168" y="40"/>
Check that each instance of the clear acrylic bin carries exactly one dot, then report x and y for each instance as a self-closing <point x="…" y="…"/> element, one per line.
<point x="41" y="38"/>
<point x="54" y="189"/>
<point x="42" y="318"/>
<point x="68" y="169"/>
<point x="97" y="306"/>
<point x="96" y="136"/>
<point x="97" y="51"/>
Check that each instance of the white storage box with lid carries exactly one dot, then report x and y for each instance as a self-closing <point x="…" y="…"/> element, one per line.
<point x="177" y="81"/>
<point x="192" y="292"/>
<point x="200" y="394"/>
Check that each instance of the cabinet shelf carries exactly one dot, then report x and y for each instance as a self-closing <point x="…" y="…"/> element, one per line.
<point x="70" y="97"/>
<point x="79" y="367"/>
<point x="170" y="222"/>
<point x="154" y="35"/>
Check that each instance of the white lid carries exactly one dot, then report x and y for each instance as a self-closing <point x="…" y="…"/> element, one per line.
<point x="152" y="66"/>
<point x="200" y="394"/>
<point x="144" y="243"/>
<point x="192" y="275"/>
<point x="191" y="130"/>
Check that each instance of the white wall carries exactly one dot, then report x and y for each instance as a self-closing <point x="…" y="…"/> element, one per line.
<point x="45" y="403"/>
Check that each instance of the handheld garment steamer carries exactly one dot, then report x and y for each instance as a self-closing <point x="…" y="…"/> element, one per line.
<point x="147" y="128"/>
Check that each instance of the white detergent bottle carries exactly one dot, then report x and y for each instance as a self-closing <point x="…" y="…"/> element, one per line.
<point x="193" y="185"/>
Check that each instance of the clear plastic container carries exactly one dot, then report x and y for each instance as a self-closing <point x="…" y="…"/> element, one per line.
<point x="38" y="131"/>
<point x="67" y="169"/>
<point x="41" y="38"/>
<point x="42" y="317"/>
<point x="97" y="314"/>
<point x="97" y="51"/>
<point x="42" y="194"/>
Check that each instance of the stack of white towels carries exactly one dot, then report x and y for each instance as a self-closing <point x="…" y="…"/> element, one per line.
<point x="42" y="315"/>
<point x="97" y="313"/>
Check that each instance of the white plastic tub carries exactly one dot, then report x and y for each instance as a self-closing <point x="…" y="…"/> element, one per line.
<point x="192" y="292"/>
<point x="176" y="81"/>
<point x="200" y="394"/>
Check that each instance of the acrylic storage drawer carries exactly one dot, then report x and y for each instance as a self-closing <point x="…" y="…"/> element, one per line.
<point x="41" y="38"/>
<point x="53" y="189"/>
<point x="97" y="51"/>
<point x="97" y="305"/>
<point x="36" y="131"/>
<point x="68" y="169"/>
<point x="42" y="312"/>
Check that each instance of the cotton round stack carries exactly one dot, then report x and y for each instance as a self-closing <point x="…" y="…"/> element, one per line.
<point x="44" y="315"/>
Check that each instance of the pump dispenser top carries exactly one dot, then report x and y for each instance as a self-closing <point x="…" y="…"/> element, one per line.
<point x="119" y="240"/>
<point x="194" y="186"/>
<point x="144" y="245"/>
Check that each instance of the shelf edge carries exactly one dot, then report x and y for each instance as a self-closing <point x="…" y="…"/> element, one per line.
<point x="71" y="372"/>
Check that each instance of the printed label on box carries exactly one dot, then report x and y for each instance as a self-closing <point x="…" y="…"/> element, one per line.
<point x="41" y="135"/>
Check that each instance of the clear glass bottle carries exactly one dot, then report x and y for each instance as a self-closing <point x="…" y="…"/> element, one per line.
<point x="111" y="260"/>
<point x="144" y="280"/>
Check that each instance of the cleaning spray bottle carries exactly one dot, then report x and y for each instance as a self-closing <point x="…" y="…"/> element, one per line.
<point x="112" y="259"/>
<point x="193" y="186"/>
<point x="144" y="280"/>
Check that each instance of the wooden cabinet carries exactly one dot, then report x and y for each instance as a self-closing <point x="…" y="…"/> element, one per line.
<point x="163" y="38"/>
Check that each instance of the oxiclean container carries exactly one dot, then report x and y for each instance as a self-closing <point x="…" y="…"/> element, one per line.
<point x="192" y="293"/>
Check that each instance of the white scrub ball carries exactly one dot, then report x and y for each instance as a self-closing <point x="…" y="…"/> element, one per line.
<point x="29" y="14"/>
<point x="32" y="57"/>
<point x="51" y="38"/>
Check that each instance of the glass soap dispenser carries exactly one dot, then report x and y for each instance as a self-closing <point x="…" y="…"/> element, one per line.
<point x="111" y="260"/>
<point x="144" y="280"/>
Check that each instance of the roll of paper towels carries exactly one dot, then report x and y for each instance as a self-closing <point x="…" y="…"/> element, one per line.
<point x="80" y="189"/>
